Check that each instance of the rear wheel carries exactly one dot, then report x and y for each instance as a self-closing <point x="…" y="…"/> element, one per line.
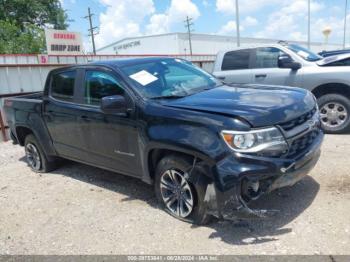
<point x="176" y="194"/>
<point x="335" y="113"/>
<point x="36" y="157"/>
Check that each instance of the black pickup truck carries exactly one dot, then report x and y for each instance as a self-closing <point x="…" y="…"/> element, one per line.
<point x="208" y="148"/>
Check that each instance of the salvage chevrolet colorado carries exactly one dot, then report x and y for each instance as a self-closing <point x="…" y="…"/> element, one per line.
<point x="207" y="147"/>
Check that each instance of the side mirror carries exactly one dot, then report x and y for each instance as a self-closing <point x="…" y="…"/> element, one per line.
<point x="114" y="104"/>
<point x="285" y="61"/>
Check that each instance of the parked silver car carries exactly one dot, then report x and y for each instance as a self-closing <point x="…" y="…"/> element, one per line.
<point x="292" y="65"/>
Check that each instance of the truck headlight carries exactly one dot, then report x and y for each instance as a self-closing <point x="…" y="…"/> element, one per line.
<point x="269" y="141"/>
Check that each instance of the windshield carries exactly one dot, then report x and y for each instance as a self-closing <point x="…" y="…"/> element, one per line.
<point x="169" y="78"/>
<point x="304" y="53"/>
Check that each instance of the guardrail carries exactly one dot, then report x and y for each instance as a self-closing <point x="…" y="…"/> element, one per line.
<point x="30" y="59"/>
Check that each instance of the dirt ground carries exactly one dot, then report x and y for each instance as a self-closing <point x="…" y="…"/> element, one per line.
<point x="79" y="209"/>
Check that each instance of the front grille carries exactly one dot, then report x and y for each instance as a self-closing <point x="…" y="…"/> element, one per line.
<point x="298" y="121"/>
<point x="300" y="144"/>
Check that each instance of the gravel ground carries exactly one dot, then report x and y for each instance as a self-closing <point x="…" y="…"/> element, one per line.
<point x="79" y="209"/>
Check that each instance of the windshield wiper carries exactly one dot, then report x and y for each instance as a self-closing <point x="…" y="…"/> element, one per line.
<point x="167" y="97"/>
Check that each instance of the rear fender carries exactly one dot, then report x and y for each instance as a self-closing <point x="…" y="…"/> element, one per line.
<point x="39" y="130"/>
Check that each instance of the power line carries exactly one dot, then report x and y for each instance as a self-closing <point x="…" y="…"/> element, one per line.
<point x="189" y="24"/>
<point x="91" y="30"/>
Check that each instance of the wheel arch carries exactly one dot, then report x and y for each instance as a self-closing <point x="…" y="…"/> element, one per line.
<point x="332" y="88"/>
<point x="22" y="132"/>
<point x="155" y="154"/>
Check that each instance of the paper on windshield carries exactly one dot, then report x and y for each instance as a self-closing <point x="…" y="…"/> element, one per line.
<point x="143" y="77"/>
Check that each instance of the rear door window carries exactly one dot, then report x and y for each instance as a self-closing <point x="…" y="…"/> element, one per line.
<point x="62" y="85"/>
<point x="236" y="60"/>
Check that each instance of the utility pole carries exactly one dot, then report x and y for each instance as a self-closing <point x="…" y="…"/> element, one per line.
<point x="346" y="9"/>
<point x="309" y="24"/>
<point x="91" y="30"/>
<point x="189" y="24"/>
<point x="237" y="25"/>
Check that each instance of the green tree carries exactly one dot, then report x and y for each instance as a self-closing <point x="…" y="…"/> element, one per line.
<point x="14" y="41"/>
<point x="36" y="12"/>
<point x="22" y="24"/>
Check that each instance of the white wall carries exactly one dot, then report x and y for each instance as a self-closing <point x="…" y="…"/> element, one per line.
<point x="177" y="43"/>
<point x="202" y="44"/>
<point x="163" y="45"/>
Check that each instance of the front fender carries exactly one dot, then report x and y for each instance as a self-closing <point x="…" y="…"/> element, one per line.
<point x="191" y="137"/>
<point x="198" y="141"/>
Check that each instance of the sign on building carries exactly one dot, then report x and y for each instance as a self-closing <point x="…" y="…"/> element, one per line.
<point x="126" y="46"/>
<point x="61" y="42"/>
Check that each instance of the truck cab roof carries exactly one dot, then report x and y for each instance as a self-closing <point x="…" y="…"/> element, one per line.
<point x="120" y="62"/>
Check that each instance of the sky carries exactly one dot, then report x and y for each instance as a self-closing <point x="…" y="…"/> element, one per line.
<point x="278" y="19"/>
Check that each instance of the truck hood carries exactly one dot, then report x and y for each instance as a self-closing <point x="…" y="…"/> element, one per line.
<point x="330" y="59"/>
<point x="259" y="105"/>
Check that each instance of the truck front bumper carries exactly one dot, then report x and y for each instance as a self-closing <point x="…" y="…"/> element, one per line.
<point x="225" y="198"/>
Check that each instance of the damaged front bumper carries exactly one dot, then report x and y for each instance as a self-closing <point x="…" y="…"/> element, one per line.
<point x="227" y="198"/>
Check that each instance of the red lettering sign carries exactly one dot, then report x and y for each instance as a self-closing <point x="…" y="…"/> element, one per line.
<point x="64" y="36"/>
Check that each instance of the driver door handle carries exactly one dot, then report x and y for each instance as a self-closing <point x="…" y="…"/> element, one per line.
<point x="260" y="75"/>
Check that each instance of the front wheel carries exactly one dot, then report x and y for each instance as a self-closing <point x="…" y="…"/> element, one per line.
<point x="176" y="194"/>
<point x="335" y="113"/>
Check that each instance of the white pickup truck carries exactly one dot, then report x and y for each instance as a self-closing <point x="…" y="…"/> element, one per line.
<point x="292" y="65"/>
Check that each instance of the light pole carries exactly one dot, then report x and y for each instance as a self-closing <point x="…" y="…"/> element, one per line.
<point x="189" y="24"/>
<point x="309" y="24"/>
<point x="237" y="24"/>
<point x="91" y="30"/>
<point x="346" y="9"/>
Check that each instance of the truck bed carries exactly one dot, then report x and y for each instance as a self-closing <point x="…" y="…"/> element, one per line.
<point x="35" y="96"/>
<point x="24" y="102"/>
<point x="21" y="108"/>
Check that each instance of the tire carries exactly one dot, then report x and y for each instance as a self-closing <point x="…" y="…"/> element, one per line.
<point x="173" y="165"/>
<point x="338" y="107"/>
<point x="36" y="158"/>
